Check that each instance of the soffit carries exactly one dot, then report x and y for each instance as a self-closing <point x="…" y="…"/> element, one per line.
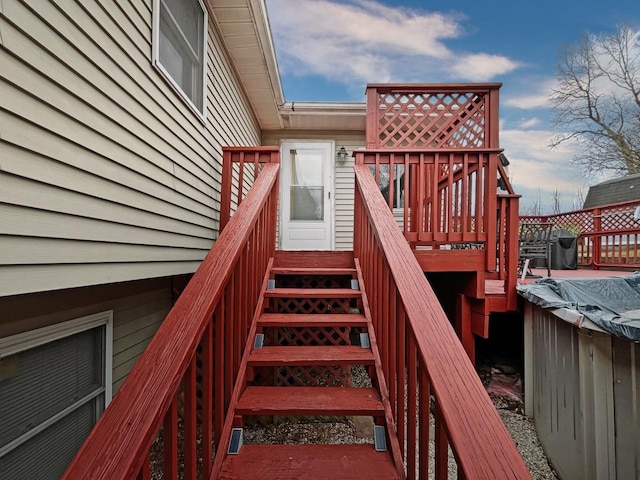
<point x="244" y="27"/>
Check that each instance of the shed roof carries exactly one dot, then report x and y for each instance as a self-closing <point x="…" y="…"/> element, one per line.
<point x="617" y="190"/>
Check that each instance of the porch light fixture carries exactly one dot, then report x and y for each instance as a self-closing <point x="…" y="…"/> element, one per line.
<point x="342" y="155"/>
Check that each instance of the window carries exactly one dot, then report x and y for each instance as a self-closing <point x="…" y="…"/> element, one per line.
<point x="55" y="382"/>
<point x="179" y="46"/>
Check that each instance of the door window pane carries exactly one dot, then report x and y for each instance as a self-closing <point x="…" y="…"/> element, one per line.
<point x="307" y="185"/>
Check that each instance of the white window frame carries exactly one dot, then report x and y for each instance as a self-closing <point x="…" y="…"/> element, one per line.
<point x="34" y="338"/>
<point x="202" y="115"/>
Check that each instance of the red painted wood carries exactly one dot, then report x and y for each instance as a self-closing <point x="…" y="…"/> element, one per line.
<point x="118" y="445"/>
<point x="463" y="326"/>
<point x="145" y="471"/>
<point x="315" y="355"/>
<point x="312" y="320"/>
<point x="306" y="259"/>
<point x="190" y="414"/>
<point x="481" y="443"/>
<point x="309" y="401"/>
<point x="441" y="466"/>
<point x="207" y="401"/>
<point x="308" y="462"/>
<point x="170" y="442"/>
<point x="312" y="293"/>
<point x="450" y="260"/>
<point x="240" y="380"/>
<point x="312" y="271"/>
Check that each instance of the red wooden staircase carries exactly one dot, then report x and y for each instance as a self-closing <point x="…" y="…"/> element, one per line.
<point x="314" y="328"/>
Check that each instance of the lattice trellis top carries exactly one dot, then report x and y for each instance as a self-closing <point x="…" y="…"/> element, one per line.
<point x="429" y="118"/>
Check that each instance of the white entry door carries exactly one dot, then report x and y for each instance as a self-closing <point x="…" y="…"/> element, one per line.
<point x="306" y="216"/>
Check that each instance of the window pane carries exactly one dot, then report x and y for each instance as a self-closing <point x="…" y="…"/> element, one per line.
<point x="307" y="203"/>
<point x="47" y="455"/>
<point x="307" y="185"/>
<point x="47" y="379"/>
<point x="181" y="46"/>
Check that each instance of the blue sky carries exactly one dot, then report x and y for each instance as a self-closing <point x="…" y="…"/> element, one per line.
<point x="328" y="50"/>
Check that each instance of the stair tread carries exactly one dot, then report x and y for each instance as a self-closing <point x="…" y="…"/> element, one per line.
<point x="313" y="293"/>
<point x="311" y="355"/>
<point x="312" y="271"/>
<point x="312" y="320"/>
<point x="309" y="401"/>
<point x="308" y="462"/>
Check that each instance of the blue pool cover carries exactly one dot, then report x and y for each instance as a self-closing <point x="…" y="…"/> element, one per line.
<point x="611" y="303"/>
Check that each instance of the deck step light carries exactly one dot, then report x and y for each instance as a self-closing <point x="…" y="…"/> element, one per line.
<point x="354" y="284"/>
<point x="271" y="284"/>
<point x="364" y="340"/>
<point x="379" y="438"/>
<point x="236" y="441"/>
<point x="258" y="342"/>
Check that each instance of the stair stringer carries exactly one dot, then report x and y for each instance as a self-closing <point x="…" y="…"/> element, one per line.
<point x="222" y="443"/>
<point x="392" y="437"/>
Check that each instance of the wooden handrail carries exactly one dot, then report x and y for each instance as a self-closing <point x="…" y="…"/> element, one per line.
<point x="406" y="312"/>
<point x="118" y="446"/>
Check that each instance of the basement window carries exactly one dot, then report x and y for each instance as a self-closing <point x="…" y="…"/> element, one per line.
<point x="55" y="382"/>
<point x="179" y="48"/>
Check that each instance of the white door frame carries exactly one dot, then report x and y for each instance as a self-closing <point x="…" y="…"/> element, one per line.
<point x="330" y="185"/>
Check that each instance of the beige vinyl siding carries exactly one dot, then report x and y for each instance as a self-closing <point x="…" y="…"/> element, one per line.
<point x="343" y="178"/>
<point x="106" y="175"/>
<point x="138" y="310"/>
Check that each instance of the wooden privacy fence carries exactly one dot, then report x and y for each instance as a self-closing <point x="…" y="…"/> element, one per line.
<point x="189" y="368"/>
<point x="422" y="357"/>
<point x="607" y="236"/>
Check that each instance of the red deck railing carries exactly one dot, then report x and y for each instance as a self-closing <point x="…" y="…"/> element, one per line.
<point x="449" y="197"/>
<point x="190" y="366"/>
<point x="608" y="236"/>
<point x="421" y="356"/>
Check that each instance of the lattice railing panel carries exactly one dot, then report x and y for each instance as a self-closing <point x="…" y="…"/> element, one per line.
<point x="312" y="305"/>
<point x="313" y="281"/>
<point x="431" y="120"/>
<point x="321" y="376"/>
<point x="307" y="336"/>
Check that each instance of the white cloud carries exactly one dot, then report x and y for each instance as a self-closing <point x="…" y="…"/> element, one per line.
<point x="529" y="123"/>
<point x="362" y="41"/>
<point x="482" y="66"/>
<point x="536" y="167"/>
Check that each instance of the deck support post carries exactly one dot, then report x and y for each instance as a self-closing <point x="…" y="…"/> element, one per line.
<point x="463" y="326"/>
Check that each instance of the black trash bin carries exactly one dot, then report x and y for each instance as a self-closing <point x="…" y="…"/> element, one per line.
<point x="564" y="250"/>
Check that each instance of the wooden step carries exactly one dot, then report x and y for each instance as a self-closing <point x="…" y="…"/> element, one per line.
<point x="313" y="293"/>
<point x="308" y="462"/>
<point x="311" y="355"/>
<point x="315" y="401"/>
<point x="312" y="320"/>
<point x="313" y="271"/>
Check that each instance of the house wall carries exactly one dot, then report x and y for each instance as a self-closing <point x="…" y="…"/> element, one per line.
<point x="343" y="178"/>
<point x="138" y="310"/>
<point x="105" y="174"/>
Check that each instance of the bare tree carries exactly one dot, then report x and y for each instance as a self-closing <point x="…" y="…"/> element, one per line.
<point x="578" y="199"/>
<point x="556" y="201"/>
<point x="597" y="101"/>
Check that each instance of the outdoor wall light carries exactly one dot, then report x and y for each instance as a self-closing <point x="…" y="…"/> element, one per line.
<point x="342" y="155"/>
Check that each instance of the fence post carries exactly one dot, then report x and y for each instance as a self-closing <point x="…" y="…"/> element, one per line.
<point x="596" y="239"/>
